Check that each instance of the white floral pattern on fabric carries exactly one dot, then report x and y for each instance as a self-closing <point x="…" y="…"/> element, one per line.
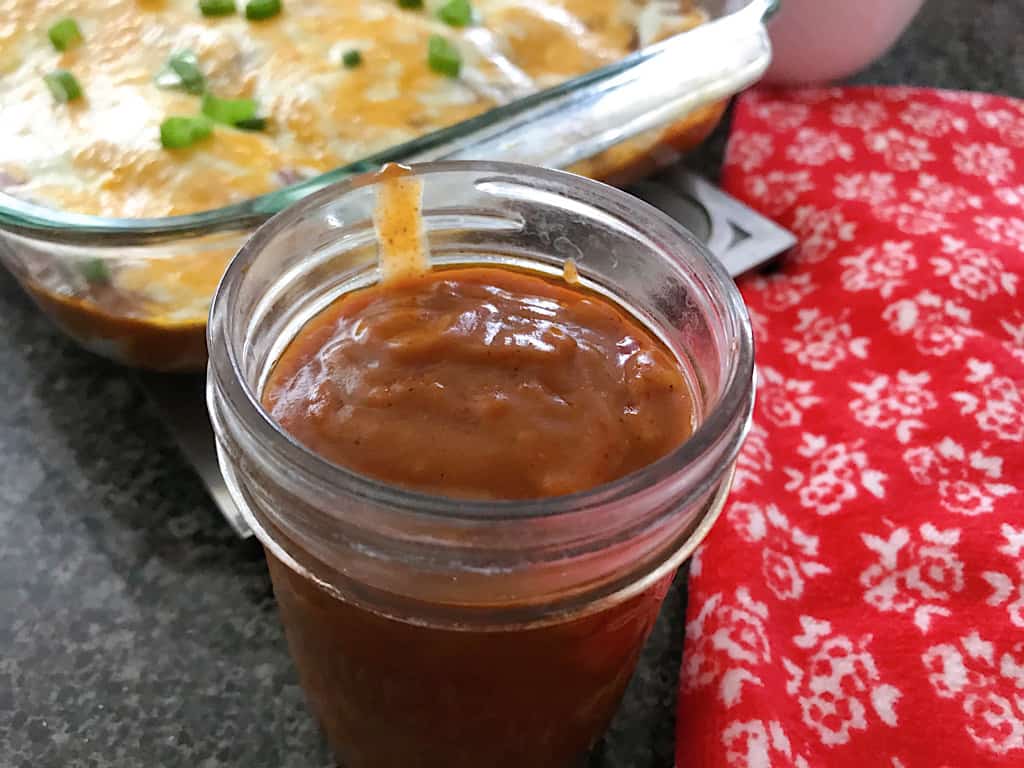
<point x="1010" y="125"/>
<point x="997" y="404"/>
<point x="776" y="190"/>
<point x="782" y="292"/>
<point x="938" y="326"/>
<point x="913" y="577"/>
<point x="836" y="475"/>
<point x="781" y="400"/>
<point x="1008" y="586"/>
<point x="912" y="219"/>
<point x="973" y="673"/>
<point x="779" y="116"/>
<point x="931" y="121"/>
<point x="1004" y="230"/>
<point x="988" y="160"/>
<point x="825" y="341"/>
<point x="893" y="402"/>
<point x="753" y="744"/>
<point x="754" y="461"/>
<point x="901" y="151"/>
<point x="972" y="271"/>
<point x="838" y="686"/>
<point x="968" y="482"/>
<point x="939" y="196"/>
<point x="821" y="232"/>
<point x="1013" y="326"/>
<point x="859" y="114"/>
<point x="879" y="269"/>
<point x="898" y="93"/>
<point x="814" y="147"/>
<point x="1013" y="196"/>
<point x="887" y="446"/>
<point x="749" y="150"/>
<point x="788" y="555"/>
<point x="968" y="98"/>
<point x="873" y="188"/>
<point x="726" y="644"/>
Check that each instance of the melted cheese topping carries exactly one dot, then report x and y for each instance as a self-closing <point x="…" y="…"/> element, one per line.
<point x="102" y="155"/>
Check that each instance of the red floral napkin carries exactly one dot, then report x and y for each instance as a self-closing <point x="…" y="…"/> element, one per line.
<point x="861" y="601"/>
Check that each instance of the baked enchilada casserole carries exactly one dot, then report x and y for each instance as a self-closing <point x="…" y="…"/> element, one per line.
<point x="155" y="108"/>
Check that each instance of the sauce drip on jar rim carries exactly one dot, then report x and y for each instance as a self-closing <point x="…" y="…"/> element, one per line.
<point x="398" y="219"/>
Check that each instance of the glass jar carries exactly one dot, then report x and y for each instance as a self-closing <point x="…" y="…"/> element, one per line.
<point x="429" y="631"/>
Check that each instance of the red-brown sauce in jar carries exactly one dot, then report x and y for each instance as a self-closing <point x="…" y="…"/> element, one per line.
<point x="474" y="382"/>
<point x="481" y="382"/>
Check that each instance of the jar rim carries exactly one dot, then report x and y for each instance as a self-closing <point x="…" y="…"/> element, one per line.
<point x="726" y="422"/>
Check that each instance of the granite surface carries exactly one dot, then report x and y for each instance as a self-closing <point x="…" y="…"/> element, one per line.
<point x="136" y="630"/>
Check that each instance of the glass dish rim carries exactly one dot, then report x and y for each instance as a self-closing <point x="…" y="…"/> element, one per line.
<point x="727" y="422"/>
<point x="39" y="221"/>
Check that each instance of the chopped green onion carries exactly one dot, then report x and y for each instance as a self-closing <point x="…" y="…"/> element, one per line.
<point x="257" y="10"/>
<point x="182" y="71"/>
<point x="443" y="57"/>
<point x="63" y="85"/>
<point x="95" y="271"/>
<point x="64" y="34"/>
<point x="217" y="7"/>
<point x="181" y="132"/>
<point x="352" y="59"/>
<point x="410" y="4"/>
<point x="456" y="13"/>
<point x="228" y="111"/>
<point x="252" y="124"/>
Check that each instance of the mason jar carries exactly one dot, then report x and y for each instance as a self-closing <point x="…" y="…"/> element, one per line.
<point x="433" y="631"/>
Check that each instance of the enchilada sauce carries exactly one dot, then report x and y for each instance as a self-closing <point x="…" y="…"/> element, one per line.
<point x="473" y="382"/>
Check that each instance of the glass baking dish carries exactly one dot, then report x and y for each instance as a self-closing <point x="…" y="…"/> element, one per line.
<point x="615" y="123"/>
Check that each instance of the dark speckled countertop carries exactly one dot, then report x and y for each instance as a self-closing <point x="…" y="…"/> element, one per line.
<point x="136" y="630"/>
